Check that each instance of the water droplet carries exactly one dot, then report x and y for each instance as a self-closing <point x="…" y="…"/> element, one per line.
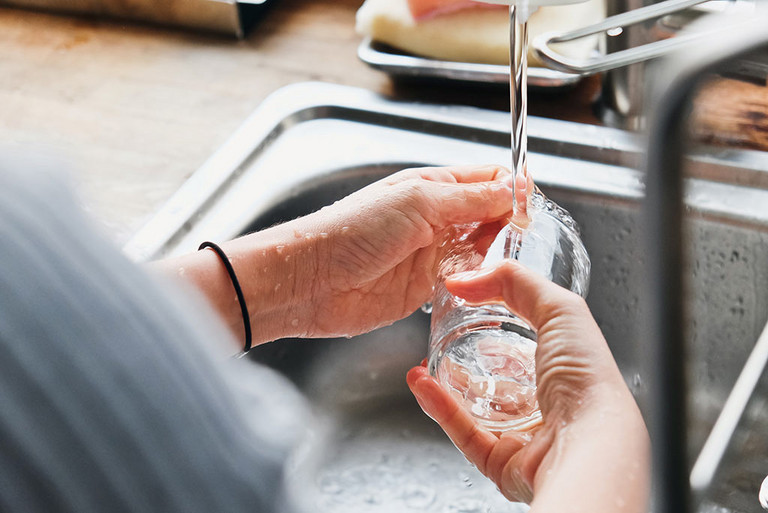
<point x="615" y="31"/>
<point x="323" y="235"/>
<point x="764" y="493"/>
<point x="280" y="249"/>
<point x="277" y="287"/>
<point x="426" y="308"/>
<point x="344" y="229"/>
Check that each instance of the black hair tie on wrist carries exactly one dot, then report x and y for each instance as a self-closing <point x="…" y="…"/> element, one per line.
<point x="239" y="291"/>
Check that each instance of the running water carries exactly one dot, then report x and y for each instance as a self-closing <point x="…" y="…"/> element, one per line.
<point x="485" y="356"/>
<point x="518" y="95"/>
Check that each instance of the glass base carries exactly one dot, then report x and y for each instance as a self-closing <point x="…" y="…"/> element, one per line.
<point x="489" y="368"/>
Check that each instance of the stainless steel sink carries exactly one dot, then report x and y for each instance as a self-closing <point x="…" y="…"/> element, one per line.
<point x="311" y="144"/>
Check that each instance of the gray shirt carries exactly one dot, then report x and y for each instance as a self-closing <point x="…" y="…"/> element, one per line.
<point x="113" y="396"/>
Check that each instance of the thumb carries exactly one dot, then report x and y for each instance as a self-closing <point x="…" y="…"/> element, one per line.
<point x="526" y="293"/>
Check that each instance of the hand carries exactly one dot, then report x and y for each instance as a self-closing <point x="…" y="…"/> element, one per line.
<point x="377" y="261"/>
<point x="363" y="262"/>
<point x="591" y="451"/>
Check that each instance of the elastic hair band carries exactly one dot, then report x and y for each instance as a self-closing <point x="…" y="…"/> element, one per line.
<point x="239" y="291"/>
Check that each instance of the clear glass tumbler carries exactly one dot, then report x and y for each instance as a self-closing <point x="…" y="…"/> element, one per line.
<point x="485" y="355"/>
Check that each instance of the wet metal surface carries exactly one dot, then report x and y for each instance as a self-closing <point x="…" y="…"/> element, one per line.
<point x="348" y="138"/>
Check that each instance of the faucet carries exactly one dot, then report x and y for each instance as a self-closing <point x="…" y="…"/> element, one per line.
<point x="634" y="36"/>
<point x="674" y="84"/>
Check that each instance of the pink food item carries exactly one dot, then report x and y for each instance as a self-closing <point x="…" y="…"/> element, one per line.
<point x="425" y="9"/>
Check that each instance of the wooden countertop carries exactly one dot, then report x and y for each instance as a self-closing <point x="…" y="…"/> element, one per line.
<point x="134" y="110"/>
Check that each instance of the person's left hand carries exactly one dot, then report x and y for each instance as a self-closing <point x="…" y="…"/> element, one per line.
<point x="376" y="251"/>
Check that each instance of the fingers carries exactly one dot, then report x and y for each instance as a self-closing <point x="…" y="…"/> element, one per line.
<point x="457" y="174"/>
<point x="475" y="442"/>
<point x="474" y="174"/>
<point x="496" y="457"/>
<point x="473" y="202"/>
<point x="526" y="293"/>
<point x="456" y="195"/>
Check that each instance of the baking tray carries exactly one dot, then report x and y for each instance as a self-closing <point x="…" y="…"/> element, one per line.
<point x="397" y="63"/>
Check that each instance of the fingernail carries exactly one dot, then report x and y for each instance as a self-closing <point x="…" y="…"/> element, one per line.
<point x="521" y="181"/>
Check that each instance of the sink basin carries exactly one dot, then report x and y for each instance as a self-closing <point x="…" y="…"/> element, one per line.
<point x="311" y="144"/>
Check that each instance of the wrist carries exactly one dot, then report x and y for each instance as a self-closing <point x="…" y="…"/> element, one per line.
<point x="602" y="451"/>
<point x="277" y="269"/>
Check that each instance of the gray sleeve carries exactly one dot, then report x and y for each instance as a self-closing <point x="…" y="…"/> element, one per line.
<point x="110" y="397"/>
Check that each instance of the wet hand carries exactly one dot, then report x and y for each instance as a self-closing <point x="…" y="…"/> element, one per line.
<point x="592" y="447"/>
<point x="376" y="251"/>
<point x="363" y="262"/>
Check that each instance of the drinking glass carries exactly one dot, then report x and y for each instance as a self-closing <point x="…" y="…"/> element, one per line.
<point x="485" y="355"/>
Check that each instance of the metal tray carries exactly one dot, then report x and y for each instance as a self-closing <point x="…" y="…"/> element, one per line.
<point x="400" y="64"/>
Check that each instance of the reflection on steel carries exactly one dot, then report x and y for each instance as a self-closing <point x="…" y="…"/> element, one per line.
<point x="399" y="64"/>
<point x="621" y="58"/>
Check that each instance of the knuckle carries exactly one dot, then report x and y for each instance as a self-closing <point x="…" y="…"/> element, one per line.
<point x="481" y="193"/>
<point x="419" y="187"/>
<point x="559" y="301"/>
<point x="571" y="302"/>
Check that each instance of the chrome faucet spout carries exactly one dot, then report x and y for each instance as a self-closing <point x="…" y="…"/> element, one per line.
<point x="675" y="82"/>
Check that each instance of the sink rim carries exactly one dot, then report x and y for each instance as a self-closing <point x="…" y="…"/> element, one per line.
<point x="293" y="105"/>
<point x="616" y="151"/>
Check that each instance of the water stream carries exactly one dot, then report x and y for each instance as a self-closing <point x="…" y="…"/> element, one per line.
<point x="518" y="90"/>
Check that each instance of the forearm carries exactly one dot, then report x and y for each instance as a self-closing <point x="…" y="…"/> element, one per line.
<point x="275" y="268"/>
<point x="600" y="462"/>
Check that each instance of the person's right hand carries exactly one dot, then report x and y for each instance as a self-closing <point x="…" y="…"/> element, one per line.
<point x="591" y="452"/>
